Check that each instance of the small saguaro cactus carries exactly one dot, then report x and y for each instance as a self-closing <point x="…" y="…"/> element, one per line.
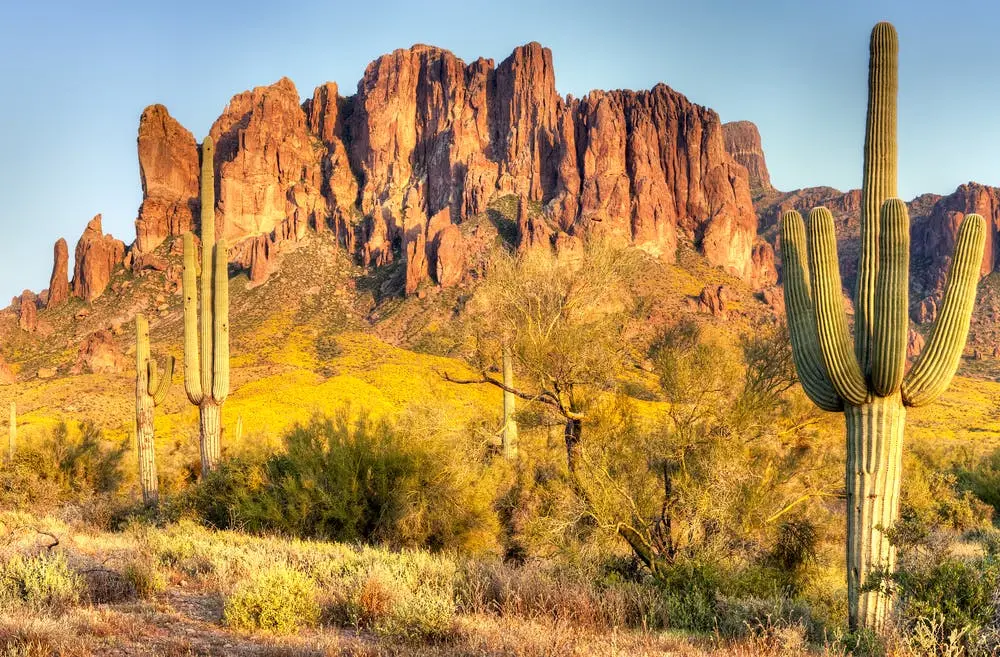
<point x="206" y="369"/>
<point x="868" y="382"/>
<point x="12" y="435"/>
<point x="509" y="433"/>
<point x="151" y="388"/>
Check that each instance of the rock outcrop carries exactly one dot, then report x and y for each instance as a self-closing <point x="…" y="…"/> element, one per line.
<point x="27" y="311"/>
<point x="430" y="134"/>
<point x="7" y="375"/>
<point x="97" y="255"/>
<point x="934" y="239"/>
<point x="743" y="143"/>
<point x="914" y="344"/>
<point x="99" y="354"/>
<point x="269" y="166"/>
<point x="168" y="169"/>
<point x="428" y="142"/>
<point x="59" y="281"/>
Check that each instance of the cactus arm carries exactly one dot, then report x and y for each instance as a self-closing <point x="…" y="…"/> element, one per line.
<point x="192" y="359"/>
<point x="801" y="315"/>
<point x="207" y="254"/>
<point x="163" y="384"/>
<point x="220" y="383"/>
<point x="937" y="363"/>
<point x="831" y="318"/>
<point x="878" y="179"/>
<point x="888" y="356"/>
<point x="152" y="376"/>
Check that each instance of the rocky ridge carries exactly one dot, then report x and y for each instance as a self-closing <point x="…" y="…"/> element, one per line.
<point x="428" y="141"/>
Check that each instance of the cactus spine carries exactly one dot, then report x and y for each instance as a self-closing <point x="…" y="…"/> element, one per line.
<point x="509" y="436"/>
<point x="12" y="435"/>
<point x="868" y="381"/>
<point x="150" y="390"/>
<point x="206" y="369"/>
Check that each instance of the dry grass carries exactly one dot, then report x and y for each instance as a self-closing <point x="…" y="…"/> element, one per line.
<point x="375" y="602"/>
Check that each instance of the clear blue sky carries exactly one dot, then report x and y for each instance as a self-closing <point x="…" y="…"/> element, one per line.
<point x="75" y="77"/>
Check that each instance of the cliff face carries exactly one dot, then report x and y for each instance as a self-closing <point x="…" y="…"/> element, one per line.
<point x="743" y="143"/>
<point x="97" y="255"/>
<point x="429" y="141"/>
<point x="168" y="169"/>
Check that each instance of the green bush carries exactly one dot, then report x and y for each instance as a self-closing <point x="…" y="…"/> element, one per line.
<point x="145" y="577"/>
<point x="62" y="468"/>
<point x="43" y="581"/>
<point x="351" y="481"/>
<point x="958" y="591"/>
<point x="279" y="600"/>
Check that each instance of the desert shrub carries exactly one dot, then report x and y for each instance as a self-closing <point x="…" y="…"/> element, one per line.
<point x="982" y="478"/>
<point x="279" y="600"/>
<point x="949" y="596"/>
<point x="62" y="468"/>
<point x="144" y="576"/>
<point x="357" y="480"/>
<point x="407" y="594"/>
<point x="935" y="504"/>
<point x="545" y="590"/>
<point x="106" y="586"/>
<point x="43" y="581"/>
<point x="777" y="617"/>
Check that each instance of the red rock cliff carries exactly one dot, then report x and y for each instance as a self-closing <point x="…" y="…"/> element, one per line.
<point x="428" y="141"/>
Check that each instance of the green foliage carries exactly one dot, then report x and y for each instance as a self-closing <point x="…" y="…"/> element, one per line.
<point x="983" y="479"/>
<point x="353" y="480"/>
<point x="727" y="475"/>
<point x="62" y="468"/>
<point x="279" y="600"/>
<point x="145" y="577"/>
<point x="43" y="581"/>
<point x="933" y="507"/>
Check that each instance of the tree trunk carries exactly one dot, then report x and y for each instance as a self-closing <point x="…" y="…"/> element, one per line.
<point x="874" y="462"/>
<point x="509" y="423"/>
<point x="211" y="425"/>
<point x="144" y="446"/>
<point x="572" y="434"/>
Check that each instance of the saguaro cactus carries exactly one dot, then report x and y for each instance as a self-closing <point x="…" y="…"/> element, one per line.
<point x="509" y="436"/>
<point x="12" y="435"/>
<point x="150" y="390"/>
<point x="206" y="369"/>
<point x="868" y="382"/>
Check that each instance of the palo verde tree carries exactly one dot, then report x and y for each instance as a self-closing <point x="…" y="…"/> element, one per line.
<point x="151" y="388"/>
<point x="725" y="473"/>
<point x="206" y="328"/>
<point x="867" y="380"/>
<point x="560" y="320"/>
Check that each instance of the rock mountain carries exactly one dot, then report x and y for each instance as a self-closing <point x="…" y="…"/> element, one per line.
<point x="426" y="142"/>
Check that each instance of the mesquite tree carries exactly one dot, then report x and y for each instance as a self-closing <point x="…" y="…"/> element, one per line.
<point x="150" y="390"/>
<point x="206" y="369"/>
<point x="867" y="381"/>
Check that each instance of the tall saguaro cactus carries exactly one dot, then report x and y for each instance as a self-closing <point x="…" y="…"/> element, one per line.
<point x="206" y="328"/>
<point x="868" y="382"/>
<point x="150" y="390"/>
